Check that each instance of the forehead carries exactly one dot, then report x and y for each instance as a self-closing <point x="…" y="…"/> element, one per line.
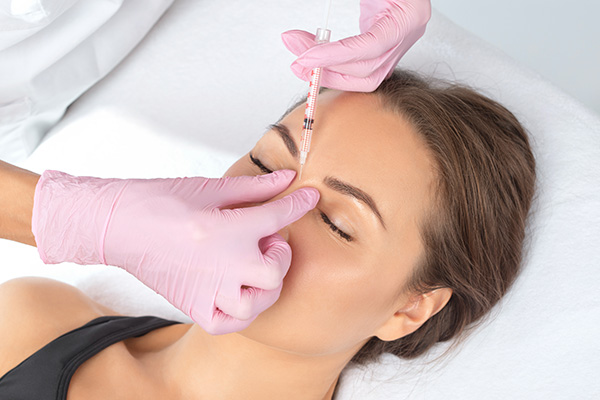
<point x="360" y="142"/>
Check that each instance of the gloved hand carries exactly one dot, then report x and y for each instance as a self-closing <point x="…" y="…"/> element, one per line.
<point x="360" y="63"/>
<point x="220" y="267"/>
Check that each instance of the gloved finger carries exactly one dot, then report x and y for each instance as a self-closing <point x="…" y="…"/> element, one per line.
<point x="248" y="189"/>
<point x="300" y="71"/>
<point x="221" y="323"/>
<point x="364" y="68"/>
<point x="352" y="84"/>
<point x="250" y="302"/>
<point x="275" y="260"/>
<point x="298" y="41"/>
<point x="272" y="217"/>
<point x="383" y="36"/>
<point x="365" y="84"/>
<point x="260" y="285"/>
<point x="358" y="69"/>
<point x="338" y="81"/>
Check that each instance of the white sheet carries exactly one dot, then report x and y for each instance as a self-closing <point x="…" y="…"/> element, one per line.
<point x="52" y="51"/>
<point x="195" y="95"/>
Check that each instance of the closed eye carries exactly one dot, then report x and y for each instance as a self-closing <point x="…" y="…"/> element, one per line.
<point x="324" y="216"/>
<point x="334" y="228"/>
<point x="260" y="165"/>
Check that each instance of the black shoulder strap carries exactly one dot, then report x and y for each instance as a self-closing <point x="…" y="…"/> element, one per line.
<point x="46" y="374"/>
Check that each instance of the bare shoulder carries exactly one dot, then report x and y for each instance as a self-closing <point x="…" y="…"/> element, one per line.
<point x="34" y="311"/>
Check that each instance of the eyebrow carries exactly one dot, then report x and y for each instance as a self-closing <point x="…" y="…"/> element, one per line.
<point x="285" y="134"/>
<point x="353" y="191"/>
<point x="331" y="182"/>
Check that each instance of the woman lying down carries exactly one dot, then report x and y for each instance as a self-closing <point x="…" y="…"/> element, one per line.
<point x="425" y="190"/>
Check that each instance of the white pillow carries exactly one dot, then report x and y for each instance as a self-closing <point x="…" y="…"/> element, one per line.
<point x="52" y="51"/>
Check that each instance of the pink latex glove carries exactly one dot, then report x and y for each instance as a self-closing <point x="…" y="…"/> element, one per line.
<point x="360" y="63"/>
<point x="220" y="267"/>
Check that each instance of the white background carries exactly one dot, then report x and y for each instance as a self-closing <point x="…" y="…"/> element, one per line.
<point x="557" y="38"/>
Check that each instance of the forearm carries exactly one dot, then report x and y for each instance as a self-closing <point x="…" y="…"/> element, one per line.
<point x="17" y="188"/>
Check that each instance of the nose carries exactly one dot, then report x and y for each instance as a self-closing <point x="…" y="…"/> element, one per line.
<point x="285" y="233"/>
<point x="294" y="185"/>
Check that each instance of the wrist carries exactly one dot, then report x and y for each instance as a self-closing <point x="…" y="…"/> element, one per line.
<point x="17" y="187"/>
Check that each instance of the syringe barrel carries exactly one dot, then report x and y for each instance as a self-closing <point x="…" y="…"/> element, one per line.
<point x="323" y="36"/>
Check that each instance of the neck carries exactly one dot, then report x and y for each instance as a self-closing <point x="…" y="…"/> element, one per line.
<point x="199" y="365"/>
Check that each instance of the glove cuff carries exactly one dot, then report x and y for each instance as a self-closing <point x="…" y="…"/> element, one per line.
<point x="70" y="217"/>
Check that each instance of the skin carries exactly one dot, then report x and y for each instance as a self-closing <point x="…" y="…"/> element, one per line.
<point x="17" y="187"/>
<point x="337" y="293"/>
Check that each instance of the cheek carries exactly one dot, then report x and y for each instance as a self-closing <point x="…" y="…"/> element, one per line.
<point x="332" y="299"/>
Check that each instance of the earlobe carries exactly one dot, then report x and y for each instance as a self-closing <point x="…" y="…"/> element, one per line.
<point x="414" y="314"/>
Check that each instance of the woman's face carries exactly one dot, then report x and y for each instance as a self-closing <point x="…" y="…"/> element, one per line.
<point x="352" y="254"/>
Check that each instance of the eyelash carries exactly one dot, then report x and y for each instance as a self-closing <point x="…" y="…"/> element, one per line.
<point x="260" y="165"/>
<point x="334" y="228"/>
<point x="324" y="216"/>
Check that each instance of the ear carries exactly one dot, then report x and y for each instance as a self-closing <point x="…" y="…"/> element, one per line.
<point x="414" y="314"/>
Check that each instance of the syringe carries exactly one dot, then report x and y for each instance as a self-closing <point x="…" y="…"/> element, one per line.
<point x="323" y="36"/>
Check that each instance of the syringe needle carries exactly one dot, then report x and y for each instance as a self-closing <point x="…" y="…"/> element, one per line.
<point x="300" y="173"/>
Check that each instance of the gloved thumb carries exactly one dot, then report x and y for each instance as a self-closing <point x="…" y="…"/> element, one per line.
<point x="272" y="217"/>
<point x="249" y="189"/>
<point x="298" y="41"/>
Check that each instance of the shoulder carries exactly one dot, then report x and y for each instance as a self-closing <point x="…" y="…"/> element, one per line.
<point x="34" y="311"/>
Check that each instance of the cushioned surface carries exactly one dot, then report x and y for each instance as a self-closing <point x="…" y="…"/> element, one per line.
<point x="201" y="88"/>
<point x="59" y="51"/>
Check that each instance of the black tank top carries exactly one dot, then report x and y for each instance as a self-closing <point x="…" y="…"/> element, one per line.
<point x="45" y="375"/>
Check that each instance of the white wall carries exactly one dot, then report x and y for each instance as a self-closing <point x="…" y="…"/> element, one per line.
<point x="560" y="39"/>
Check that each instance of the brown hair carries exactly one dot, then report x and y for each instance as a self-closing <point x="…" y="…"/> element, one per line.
<point x="485" y="184"/>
